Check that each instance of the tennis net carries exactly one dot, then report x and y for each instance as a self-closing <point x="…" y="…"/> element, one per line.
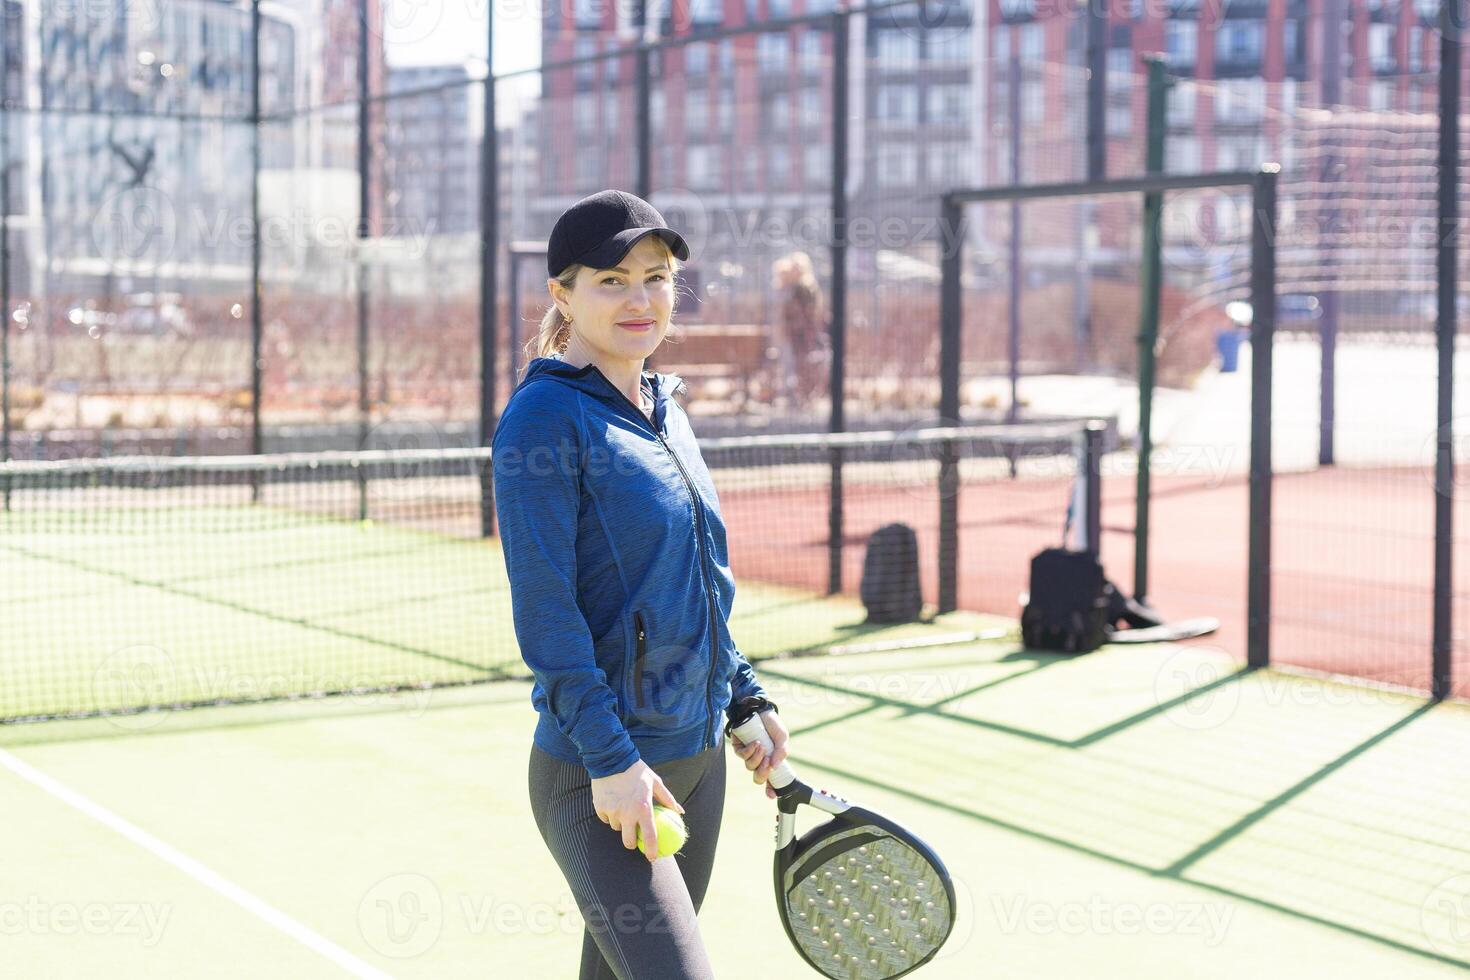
<point x="142" y="583"/>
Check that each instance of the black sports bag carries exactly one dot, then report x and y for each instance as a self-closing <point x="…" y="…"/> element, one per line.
<point x="1070" y="603"/>
<point x="890" y="587"/>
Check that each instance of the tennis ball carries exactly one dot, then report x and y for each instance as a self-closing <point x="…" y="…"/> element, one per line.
<point x="671" y="831"/>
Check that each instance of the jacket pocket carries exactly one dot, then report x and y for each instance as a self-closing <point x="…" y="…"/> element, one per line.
<point x="665" y="683"/>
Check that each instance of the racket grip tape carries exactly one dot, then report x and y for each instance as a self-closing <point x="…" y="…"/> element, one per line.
<point x="754" y="730"/>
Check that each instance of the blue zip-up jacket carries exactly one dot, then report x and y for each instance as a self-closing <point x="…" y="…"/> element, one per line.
<point x="620" y="582"/>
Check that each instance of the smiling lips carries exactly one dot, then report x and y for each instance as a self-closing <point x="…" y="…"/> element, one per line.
<point x="639" y="325"/>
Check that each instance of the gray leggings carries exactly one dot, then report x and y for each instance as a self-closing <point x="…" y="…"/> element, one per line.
<point x="639" y="916"/>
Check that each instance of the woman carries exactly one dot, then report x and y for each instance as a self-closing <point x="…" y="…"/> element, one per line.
<point x="803" y="328"/>
<point x="621" y="594"/>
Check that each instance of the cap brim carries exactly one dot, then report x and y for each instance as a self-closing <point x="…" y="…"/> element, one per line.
<point x="611" y="252"/>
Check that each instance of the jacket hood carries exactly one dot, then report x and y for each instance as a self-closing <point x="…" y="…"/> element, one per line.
<point x="592" y="381"/>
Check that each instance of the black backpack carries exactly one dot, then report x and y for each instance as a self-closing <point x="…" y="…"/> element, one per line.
<point x="1071" y="605"/>
<point x="890" y="587"/>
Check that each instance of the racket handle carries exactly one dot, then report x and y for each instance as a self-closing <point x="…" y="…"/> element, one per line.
<point x="754" y="730"/>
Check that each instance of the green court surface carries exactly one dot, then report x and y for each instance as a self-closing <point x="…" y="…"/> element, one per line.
<point x="1138" y="812"/>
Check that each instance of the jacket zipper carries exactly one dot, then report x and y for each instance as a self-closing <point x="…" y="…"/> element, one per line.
<point x="638" y="657"/>
<point x="714" y="635"/>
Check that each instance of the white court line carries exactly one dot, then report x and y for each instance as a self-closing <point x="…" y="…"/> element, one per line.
<point x="211" y="879"/>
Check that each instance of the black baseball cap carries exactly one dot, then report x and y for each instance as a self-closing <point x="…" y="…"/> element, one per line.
<point x="599" y="230"/>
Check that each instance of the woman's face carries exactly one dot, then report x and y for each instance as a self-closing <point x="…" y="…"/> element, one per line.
<point x="622" y="312"/>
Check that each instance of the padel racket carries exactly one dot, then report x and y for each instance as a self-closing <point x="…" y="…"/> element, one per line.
<point x="861" y="898"/>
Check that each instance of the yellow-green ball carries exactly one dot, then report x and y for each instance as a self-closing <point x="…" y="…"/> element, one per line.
<point x="672" y="833"/>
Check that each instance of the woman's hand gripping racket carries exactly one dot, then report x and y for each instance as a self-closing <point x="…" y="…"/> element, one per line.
<point x="861" y="898"/>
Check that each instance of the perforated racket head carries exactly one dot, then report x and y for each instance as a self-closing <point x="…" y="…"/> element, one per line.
<point x="863" y="899"/>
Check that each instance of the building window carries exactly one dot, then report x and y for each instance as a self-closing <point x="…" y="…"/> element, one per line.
<point x="946" y="165"/>
<point x="584" y="115"/>
<point x="817" y="163"/>
<point x="589" y="170"/>
<point x="952" y="49"/>
<point x="1416" y="49"/>
<point x="696" y="113"/>
<point x="778" y="112"/>
<point x="897" y="49"/>
<point x="706" y="12"/>
<point x="780" y="166"/>
<point x="656" y="110"/>
<point x="724" y="111"/>
<point x="809" y="50"/>
<point x="948" y="104"/>
<point x="772" y="52"/>
<point x="1380" y="95"/>
<point x="727" y="56"/>
<point x="1239" y="43"/>
<point x="1033" y="42"/>
<point x="898" y="104"/>
<point x="1241" y="154"/>
<point x="584" y="47"/>
<point x="1181" y="102"/>
<point x="1181" y="43"/>
<point x="696" y="60"/>
<point x="612" y="66"/>
<point x="1033" y="102"/>
<point x="1288" y="96"/>
<point x="1380" y="47"/>
<point x="1291" y="43"/>
<point x="1120" y="62"/>
<point x="700" y="163"/>
<point x="749" y="171"/>
<point x="811" y="107"/>
<point x="587" y="13"/>
<point x="897" y="165"/>
<point x="1182" y="155"/>
<point x="1240" y="100"/>
<point x="1119" y="119"/>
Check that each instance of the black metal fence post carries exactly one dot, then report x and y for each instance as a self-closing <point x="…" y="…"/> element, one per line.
<point x="1092" y="449"/>
<point x="1263" y="326"/>
<point x="1330" y="38"/>
<point x="1451" y="23"/>
<point x="257" y="352"/>
<point x="837" y="326"/>
<point x="489" y="268"/>
<point x="643" y="95"/>
<point x="1150" y="291"/>
<point x="1013" y="334"/>
<point x="951" y="261"/>
<point x="364" y="210"/>
<point x="5" y="436"/>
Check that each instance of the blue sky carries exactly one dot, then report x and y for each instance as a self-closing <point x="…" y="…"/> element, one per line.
<point x="427" y="32"/>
